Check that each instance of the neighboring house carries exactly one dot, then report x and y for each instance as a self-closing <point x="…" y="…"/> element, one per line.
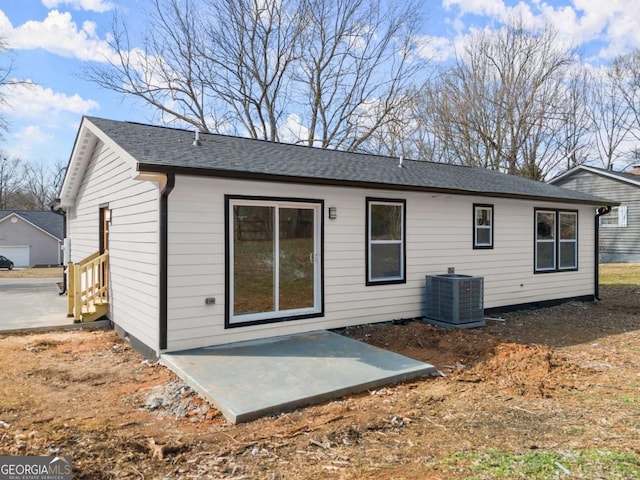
<point x="30" y="237"/>
<point x="223" y="239"/>
<point x="619" y="229"/>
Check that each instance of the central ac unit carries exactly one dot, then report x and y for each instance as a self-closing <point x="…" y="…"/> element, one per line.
<point x="454" y="300"/>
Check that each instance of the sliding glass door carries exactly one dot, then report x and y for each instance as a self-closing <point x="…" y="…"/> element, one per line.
<point x="274" y="260"/>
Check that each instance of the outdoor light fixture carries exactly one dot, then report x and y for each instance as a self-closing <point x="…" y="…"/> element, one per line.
<point x="333" y="213"/>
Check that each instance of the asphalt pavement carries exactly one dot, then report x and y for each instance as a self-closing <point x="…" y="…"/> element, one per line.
<point x="27" y="303"/>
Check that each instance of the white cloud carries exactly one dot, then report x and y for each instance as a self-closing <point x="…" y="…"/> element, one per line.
<point x="604" y="28"/>
<point x="28" y="139"/>
<point x="34" y="101"/>
<point x="292" y="130"/>
<point x="488" y="8"/>
<point x="438" y="49"/>
<point x="99" y="6"/>
<point x="57" y="34"/>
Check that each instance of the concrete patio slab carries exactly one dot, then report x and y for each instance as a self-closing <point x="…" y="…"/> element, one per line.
<point x="248" y="380"/>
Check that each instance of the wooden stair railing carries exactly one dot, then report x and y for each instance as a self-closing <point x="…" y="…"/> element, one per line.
<point x="88" y="288"/>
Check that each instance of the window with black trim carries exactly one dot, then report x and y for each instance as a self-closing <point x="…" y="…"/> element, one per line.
<point x="556" y="240"/>
<point x="273" y="260"/>
<point x="482" y="226"/>
<point x="385" y="241"/>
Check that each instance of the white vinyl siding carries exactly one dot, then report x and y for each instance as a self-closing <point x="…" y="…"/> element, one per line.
<point x="437" y="237"/>
<point x="133" y="239"/>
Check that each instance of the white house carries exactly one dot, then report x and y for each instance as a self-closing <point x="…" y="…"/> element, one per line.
<point x="218" y="239"/>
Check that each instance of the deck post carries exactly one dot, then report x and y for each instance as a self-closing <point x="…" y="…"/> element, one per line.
<point x="77" y="294"/>
<point x="70" y="288"/>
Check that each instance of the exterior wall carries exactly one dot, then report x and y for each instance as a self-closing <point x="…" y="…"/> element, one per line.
<point x="44" y="249"/>
<point x="133" y="239"/>
<point x="617" y="244"/>
<point x="439" y="235"/>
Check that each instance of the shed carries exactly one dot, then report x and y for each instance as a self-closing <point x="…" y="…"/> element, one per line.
<point x="620" y="228"/>
<point x="220" y="239"/>
<point x="31" y="237"/>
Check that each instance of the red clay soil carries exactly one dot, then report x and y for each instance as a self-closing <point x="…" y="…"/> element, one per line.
<point x="562" y="379"/>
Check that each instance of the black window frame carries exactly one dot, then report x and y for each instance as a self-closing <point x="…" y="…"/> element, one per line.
<point x="557" y="241"/>
<point x="403" y="261"/>
<point x="490" y="207"/>
<point x="228" y="200"/>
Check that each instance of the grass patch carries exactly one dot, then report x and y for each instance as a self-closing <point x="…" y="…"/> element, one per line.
<point x="44" y="272"/>
<point x="619" y="274"/>
<point x="546" y="465"/>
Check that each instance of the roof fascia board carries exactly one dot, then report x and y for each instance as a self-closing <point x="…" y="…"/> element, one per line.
<point x="153" y="168"/>
<point x="14" y="214"/>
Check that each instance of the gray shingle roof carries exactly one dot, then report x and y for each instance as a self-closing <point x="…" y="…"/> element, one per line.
<point x="48" y="221"/>
<point x="163" y="149"/>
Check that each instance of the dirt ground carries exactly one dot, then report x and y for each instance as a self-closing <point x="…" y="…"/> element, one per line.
<point x="560" y="383"/>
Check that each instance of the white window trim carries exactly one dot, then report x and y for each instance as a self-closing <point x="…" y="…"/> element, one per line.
<point x="549" y="240"/>
<point x="556" y="241"/>
<point x="402" y="277"/>
<point x="618" y="217"/>
<point x="572" y="240"/>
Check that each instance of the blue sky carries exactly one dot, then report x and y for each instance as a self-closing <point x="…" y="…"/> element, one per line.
<point x="51" y="41"/>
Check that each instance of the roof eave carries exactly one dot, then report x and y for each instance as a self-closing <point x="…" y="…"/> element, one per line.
<point x="244" y="175"/>
<point x="81" y="153"/>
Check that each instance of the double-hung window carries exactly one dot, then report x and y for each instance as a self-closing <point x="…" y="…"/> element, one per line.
<point x="556" y="240"/>
<point x="482" y="226"/>
<point x="385" y="241"/>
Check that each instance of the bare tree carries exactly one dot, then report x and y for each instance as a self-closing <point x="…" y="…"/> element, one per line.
<point x="10" y="181"/>
<point x="166" y="70"/>
<point x="356" y="65"/>
<point x="499" y="106"/>
<point x="39" y="184"/>
<point x="251" y="48"/>
<point x="574" y="137"/>
<point x="249" y="66"/>
<point x="626" y="75"/>
<point x="611" y="115"/>
<point x="5" y="79"/>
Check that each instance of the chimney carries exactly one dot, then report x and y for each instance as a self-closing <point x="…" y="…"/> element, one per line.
<point x="635" y="170"/>
<point x="196" y="141"/>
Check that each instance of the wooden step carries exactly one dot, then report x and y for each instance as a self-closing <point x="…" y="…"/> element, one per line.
<point x="94" y="312"/>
